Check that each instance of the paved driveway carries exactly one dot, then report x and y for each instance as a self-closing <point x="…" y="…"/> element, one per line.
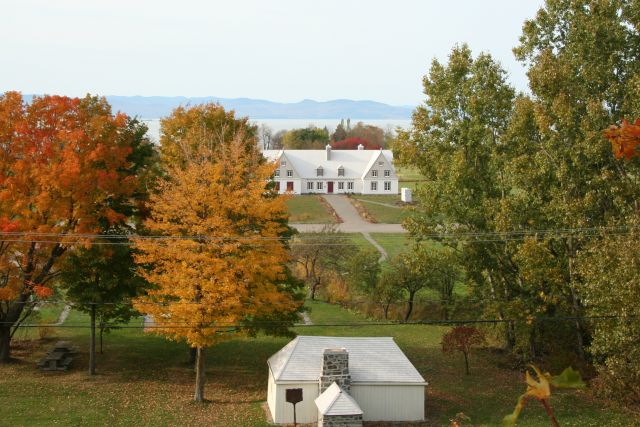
<point x="352" y="221"/>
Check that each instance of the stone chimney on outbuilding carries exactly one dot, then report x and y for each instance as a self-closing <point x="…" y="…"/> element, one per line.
<point x="328" y="148"/>
<point x="360" y="147"/>
<point x="335" y="368"/>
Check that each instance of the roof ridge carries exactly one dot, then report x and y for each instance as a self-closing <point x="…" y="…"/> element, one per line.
<point x="288" y="358"/>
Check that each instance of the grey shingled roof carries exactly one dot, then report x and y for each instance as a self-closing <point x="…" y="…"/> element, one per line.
<point x="333" y="401"/>
<point x="354" y="162"/>
<point x="371" y="359"/>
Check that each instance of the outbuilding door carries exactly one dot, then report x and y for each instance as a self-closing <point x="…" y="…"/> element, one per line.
<point x="330" y="187"/>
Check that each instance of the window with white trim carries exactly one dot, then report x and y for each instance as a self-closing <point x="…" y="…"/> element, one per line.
<point x="387" y="186"/>
<point x="289" y="173"/>
<point x="387" y="173"/>
<point x="340" y="171"/>
<point x="283" y="163"/>
<point x="277" y="173"/>
<point x="319" y="171"/>
<point x="374" y="173"/>
<point x="319" y="185"/>
<point x="340" y="185"/>
<point x="374" y="185"/>
<point x="309" y="185"/>
<point x="350" y="185"/>
<point x="380" y="163"/>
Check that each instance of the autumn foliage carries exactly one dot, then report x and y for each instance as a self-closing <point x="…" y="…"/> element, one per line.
<point x="624" y="139"/>
<point x="63" y="173"/>
<point x="221" y="263"/>
<point x="352" y="144"/>
<point x="462" y="339"/>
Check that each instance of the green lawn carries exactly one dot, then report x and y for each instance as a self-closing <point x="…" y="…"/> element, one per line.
<point x="386" y="209"/>
<point x="409" y="177"/>
<point x="144" y="380"/>
<point x="393" y="243"/>
<point x="309" y="209"/>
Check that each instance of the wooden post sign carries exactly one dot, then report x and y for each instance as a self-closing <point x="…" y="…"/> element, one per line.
<point x="294" y="395"/>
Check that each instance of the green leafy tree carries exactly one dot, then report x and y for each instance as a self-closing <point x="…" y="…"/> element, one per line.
<point x="363" y="270"/>
<point x="583" y="76"/>
<point x="307" y="138"/>
<point x="101" y="280"/>
<point x="455" y="141"/>
<point x="612" y="288"/>
<point x="387" y="292"/>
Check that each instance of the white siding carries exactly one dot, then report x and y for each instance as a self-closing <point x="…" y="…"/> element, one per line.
<point x="306" y="411"/>
<point x="390" y="402"/>
<point x="271" y="395"/>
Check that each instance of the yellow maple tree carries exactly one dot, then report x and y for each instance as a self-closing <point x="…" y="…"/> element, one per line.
<point x="222" y="260"/>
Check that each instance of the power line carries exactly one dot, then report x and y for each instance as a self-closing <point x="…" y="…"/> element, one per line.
<point x="188" y="325"/>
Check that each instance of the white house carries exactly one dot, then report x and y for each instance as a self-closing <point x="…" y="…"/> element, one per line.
<point x="354" y="379"/>
<point x="334" y="171"/>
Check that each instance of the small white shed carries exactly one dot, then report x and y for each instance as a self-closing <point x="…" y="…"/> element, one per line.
<point x="375" y="373"/>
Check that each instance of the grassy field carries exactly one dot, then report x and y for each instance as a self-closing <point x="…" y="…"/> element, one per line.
<point x="393" y="243"/>
<point x="409" y="177"/>
<point x="387" y="209"/>
<point x="144" y="380"/>
<point x="309" y="209"/>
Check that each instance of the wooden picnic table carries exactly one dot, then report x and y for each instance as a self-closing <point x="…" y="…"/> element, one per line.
<point x="58" y="359"/>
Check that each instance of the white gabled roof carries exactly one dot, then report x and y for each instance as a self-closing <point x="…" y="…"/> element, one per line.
<point x="371" y="359"/>
<point x="355" y="162"/>
<point x="336" y="402"/>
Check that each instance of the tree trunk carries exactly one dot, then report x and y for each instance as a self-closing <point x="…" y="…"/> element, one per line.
<point x="5" y="344"/>
<point x="575" y="304"/>
<point x="386" y="311"/>
<point x="200" y="377"/>
<point x="193" y="352"/>
<point x="407" y="314"/>
<point x="101" y="333"/>
<point x="466" y="362"/>
<point x="92" y="344"/>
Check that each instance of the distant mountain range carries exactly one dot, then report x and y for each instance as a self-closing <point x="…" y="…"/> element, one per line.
<point x="151" y="107"/>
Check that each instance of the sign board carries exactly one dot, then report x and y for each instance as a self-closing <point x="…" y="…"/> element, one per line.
<point x="294" y="395"/>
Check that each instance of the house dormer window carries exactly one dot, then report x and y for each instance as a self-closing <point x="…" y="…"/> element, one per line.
<point x="340" y="171"/>
<point x="319" y="171"/>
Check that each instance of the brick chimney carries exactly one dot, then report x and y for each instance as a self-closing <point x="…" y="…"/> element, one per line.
<point x="328" y="148"/>
<point x="335" y="368"/>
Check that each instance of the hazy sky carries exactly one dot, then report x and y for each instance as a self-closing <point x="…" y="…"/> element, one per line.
<point x="281" y="50"/>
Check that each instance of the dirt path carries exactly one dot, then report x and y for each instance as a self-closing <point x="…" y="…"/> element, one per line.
<point x="379" y="203"/>
<point x="63" y="315"/>
<point x="383" y="253"/>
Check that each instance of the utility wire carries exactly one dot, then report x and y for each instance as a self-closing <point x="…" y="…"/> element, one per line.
<point x="189" y="325"/>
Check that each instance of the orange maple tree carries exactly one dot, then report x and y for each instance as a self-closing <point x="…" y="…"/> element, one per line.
<point x="624" y="139"/>
<point x="63" y="169"/>
<point x="222" y="261"/>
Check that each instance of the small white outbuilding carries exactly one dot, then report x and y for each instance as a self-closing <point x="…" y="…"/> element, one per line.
<point x="365" y="377"/>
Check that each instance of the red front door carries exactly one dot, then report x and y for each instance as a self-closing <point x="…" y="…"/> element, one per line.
<point x="289" y="185"/>
<point x="330" y="187"/>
